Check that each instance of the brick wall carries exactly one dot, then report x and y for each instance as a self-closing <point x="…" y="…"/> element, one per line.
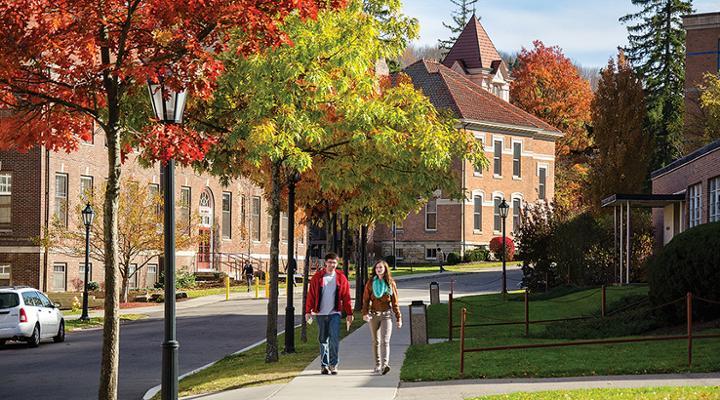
<point x="703" y="33"/>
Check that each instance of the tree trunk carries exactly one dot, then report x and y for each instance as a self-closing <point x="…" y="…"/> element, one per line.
<point x="125" y="287"/>
<point x="271" y="348"/>
<point x="328" y="232"/>
<point x="360" y="271"/>
<point x="111" y="325"/>
<point x="333" y="220"/>
<point x="306" y="278"/>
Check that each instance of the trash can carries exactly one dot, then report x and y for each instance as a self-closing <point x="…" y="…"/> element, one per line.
<point x="418" y="322"/>
<point x="434" y="293"/>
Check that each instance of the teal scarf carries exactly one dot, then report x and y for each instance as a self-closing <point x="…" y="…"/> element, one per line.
<point x="381" y="288"/>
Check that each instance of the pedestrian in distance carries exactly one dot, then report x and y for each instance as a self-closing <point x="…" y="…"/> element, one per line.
<point x="328" y="301"/>
<point x="249" y="273"/>
<point x="441" y="258"/>
<point x="380" y="301"/>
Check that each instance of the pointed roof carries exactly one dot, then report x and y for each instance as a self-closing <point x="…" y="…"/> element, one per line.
<point x="473" y="48"/>
<point x="451" y="90"/>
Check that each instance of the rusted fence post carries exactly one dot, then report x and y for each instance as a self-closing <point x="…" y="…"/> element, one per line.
<point x="603" y="302"/>
<point x="450" y="310"/>
<point x="689" y="327"/>
<point x="463" y="315"/>
<point x="527" y="313"/>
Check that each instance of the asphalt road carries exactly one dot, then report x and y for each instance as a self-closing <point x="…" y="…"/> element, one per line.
<point x="70" y="370"/>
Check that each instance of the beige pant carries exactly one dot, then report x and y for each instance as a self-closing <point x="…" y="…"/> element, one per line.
<point x="381" y="330"/>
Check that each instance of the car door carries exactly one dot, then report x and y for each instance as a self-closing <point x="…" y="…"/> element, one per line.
<point x="32" y="307"/>
<point x="50" y="320"/>
<point x="46" y="315"/>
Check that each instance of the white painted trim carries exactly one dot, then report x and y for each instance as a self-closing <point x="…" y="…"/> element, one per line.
<point x="512" y="152"/>
<point x="20" y="249"/>
<point x="527" y="130"/>
<point x="499" y="194"/>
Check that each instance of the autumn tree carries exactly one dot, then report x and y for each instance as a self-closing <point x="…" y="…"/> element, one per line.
<point x="656" y="48"/>
<point x="464" y="9"/>
<point x="710" y="106"/>
<point x="65" y="64"/>
<point x="620" y="164"/>
<point x="307" y="106"/>
<point x="547" y="85"/>
<point x="140" y="223"/>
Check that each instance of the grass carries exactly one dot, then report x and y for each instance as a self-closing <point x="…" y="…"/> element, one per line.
<point x="95" y="322"/>
<point x="657" y="393"/>
<point x="403" y="270"/>
<point x="441" y="361"/>
<point x="249" y="368"/>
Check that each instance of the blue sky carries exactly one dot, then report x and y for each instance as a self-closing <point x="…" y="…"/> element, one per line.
<point x="588" y="32"/>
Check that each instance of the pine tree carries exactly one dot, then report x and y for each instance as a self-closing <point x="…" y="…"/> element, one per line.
<point x="460" y="16"/>
<point x="618" y="117"/>
<point x="657" y="50"/>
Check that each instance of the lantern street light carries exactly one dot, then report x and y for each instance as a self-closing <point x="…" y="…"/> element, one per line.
<point x="168" y="106"/>
<point x="290" y="273"/>
<point x="504" y="207"/>
<point x="87" y="215"/>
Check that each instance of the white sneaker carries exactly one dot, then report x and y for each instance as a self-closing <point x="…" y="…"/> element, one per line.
<point x="377" y="369"/>
<point x="333" y="370"/>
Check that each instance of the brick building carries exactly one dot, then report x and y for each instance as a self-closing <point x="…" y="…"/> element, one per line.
<point x="40" y="185"/>
<point x="473" y="83"/>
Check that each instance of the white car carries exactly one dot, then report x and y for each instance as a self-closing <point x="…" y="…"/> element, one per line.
<point x="27" y="314"/>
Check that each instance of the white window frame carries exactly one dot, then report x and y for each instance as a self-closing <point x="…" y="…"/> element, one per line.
<point x="185" y="206"/>
<point x="226" y="215"/>
<point x="399" y="253"/>
<point x="714" y="199"/>
<point x="516" y="216"/>
<point x="83" y="179"/>
<point x="497" y="200"/>
<point x="6" y="273"/>
<point x="255" y="219"/>
<point x="431" y="250"/>
<point x="6" y="191"/>
<point x="694" y="205"/>
<point x="497" y="157"/>
<point x="148" y="283"/>
<point x="81" y="270"/>
<point x="478" y="172"/>
<point x="133" y="281"/>
<point x="65" y="202"/>
<point x="65" y="273"/>
<point x="477" y="214"/>
<point x="519" y="159"/>
<point x="428" y="212"/>
<point x="544" y="185"/>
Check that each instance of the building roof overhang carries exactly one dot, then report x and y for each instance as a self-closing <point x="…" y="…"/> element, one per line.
<point x="519" y="129"/>
<point x="642" y="200"/>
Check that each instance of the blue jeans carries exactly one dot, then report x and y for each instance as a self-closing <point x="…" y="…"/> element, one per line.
<point x="329" y="338"/>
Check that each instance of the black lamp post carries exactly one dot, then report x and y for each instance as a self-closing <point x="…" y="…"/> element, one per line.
<point x="87" y="215"/>
<point x="504" y="207"/>
<point x="290" y="280"/>
<point x="168" y="106"/>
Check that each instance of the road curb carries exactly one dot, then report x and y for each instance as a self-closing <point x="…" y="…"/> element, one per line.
<point x="155" y="389"/>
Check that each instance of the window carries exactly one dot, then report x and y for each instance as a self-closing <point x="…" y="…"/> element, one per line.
<point x="478" y="171"/>
<point x="243" y="216"/>
<point x="5" y="198"/>
<point x="542" y="182"/>
<point x="82" y="272"/>
<point x="9" y="300"/>
<point x="284" y="226"/>
<point x="59" y="277"/>
<point x="5" y="275"/>
<point x="694" y="205"/>
<point x="431" y="215"/>
<point x="44" y="300"/>
<point x="185" y="202"/>
<point x="255" y="223"/>
<point x="516" y="214"/>
<point x="61" y="198"/>
<point x="517" y="151"/>
<point x="227" y="215"/>
<point x="497" y="225"/>
<point x="132" y="276"/>
<point x="497" y="158"/>
<point x="477" y="213"/>
<point x="399" y="253"/>
<point x="714" y="192"/>
<point x="151" y="275"/>
<point x="86" y="188"/>
<point x="31" y="298"/>
<point x="431" y="253"/>
<point x="154" y="194"/>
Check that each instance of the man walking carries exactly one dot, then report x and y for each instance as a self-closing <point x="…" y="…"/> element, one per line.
<point x="328" y="299"/>
<point x="441" y="258"/>
<point x="248" y="272"/>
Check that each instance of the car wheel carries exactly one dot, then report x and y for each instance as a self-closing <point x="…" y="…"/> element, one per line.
<point x="34" y="340"/>
<point x="60" y="337"/>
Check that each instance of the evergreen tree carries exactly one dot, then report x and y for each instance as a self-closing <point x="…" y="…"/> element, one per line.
<point x="460" y="16"/>
<point x="657" y="50"/>
<point x="618" y="114"/>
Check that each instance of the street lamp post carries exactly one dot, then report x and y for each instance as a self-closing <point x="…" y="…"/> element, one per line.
<point x="87" y="214"/>
<point x="290" y="280"/>
<point x="168" y="106"/>
<point x="504" y="207"/>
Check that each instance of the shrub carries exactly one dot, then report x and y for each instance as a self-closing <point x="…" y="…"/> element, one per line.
<point x="77" y="284"/>
<point x="93" y="286"/>
<point x="689" y="263"/>
<point x="183" y="280"/>
<point x="496" y="248"/>
<point x="453" y="258"/>
<point x="476" y="254"/>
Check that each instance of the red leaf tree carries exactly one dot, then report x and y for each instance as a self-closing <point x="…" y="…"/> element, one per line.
<point x="67" y="63"/>
<point x="496" y="247"/>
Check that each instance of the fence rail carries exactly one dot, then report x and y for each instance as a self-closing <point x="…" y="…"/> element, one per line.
<point x="688" y="336"/>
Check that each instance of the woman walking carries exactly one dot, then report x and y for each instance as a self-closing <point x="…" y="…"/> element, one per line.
<point x="380" y="301"/>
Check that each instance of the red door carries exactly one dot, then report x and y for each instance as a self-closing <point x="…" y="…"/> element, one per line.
<point x="203" y="256"/>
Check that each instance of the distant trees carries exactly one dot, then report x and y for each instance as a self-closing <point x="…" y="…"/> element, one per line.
<point x="460" y="17"/>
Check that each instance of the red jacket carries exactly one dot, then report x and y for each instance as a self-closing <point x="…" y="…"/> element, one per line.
<point x="342" y="294"/>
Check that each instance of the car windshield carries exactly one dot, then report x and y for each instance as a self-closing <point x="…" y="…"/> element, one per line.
<point x="9" y="300"/>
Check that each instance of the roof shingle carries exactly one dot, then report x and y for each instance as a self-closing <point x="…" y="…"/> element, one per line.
<point x="473" y="47"/>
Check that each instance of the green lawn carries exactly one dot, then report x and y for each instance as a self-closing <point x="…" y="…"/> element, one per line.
<point x="75" y="324"/>
<point x="658" y="393"/>
<point x="441" y="361"/>
<point x="249" y="368"/>
<point x="403" y="270"/>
